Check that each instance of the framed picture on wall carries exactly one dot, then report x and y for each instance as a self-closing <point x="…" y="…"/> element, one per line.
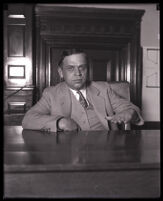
<point x="151" y="64"/>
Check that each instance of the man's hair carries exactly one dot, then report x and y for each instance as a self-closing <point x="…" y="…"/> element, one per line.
<point x="69" y="52"/>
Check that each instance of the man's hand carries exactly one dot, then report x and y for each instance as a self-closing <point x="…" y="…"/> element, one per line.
<point x="125" y="116"/>
<point x="68" y="124"/>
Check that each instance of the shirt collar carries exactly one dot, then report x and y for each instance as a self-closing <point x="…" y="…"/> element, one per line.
<point x="83" y="91"/>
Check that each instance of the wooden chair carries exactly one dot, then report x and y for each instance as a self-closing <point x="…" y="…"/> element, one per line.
<point x="122" y="88"/>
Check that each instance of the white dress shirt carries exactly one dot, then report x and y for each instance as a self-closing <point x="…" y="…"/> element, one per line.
<point x="83" y="91"/>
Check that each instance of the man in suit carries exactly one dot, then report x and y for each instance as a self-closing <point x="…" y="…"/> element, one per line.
<point x="77" y="104"/>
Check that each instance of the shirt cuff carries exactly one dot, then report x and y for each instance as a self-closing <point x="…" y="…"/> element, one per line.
<point x="57" y="126"/>
<point x="52" y="124"/>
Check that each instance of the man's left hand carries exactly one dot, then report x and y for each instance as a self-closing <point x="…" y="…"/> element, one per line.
<point x="125" y="116"/>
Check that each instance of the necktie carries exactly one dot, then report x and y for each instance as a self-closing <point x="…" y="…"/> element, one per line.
<point x="82" y="100"/>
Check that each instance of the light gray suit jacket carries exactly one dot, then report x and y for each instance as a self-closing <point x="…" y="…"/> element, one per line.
<point x="56" y="102"/>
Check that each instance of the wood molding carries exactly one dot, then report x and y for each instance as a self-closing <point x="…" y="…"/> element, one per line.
<point x="92" y="13"/>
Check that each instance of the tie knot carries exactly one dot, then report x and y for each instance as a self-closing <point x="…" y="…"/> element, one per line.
<point x="79" y="92"/>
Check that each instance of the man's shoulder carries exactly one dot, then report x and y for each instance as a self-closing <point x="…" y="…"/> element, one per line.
<point x="54" y="89"/>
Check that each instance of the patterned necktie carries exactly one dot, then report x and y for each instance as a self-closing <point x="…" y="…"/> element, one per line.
<point x="82" y="100"/>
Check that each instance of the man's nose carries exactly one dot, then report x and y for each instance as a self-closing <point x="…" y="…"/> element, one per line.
<point x="77" y="71"/>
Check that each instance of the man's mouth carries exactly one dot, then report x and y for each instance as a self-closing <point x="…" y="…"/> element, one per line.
<point x="78" y="80"/>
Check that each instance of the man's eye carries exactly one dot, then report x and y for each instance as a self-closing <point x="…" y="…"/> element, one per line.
<point x="82" y="67"/>
<point x="70" y="68"/>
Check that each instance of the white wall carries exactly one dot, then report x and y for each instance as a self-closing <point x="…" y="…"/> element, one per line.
<point x="150" y="34"/>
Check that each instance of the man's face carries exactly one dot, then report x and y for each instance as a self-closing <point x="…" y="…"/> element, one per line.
<point x="74" y="70"/>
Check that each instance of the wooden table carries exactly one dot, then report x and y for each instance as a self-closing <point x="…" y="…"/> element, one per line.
<point x="93" y="164"/>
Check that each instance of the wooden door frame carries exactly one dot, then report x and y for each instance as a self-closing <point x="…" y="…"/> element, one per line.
<point x="51" y="23"/>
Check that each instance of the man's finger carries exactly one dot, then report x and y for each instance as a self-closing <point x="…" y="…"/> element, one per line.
<point x="109" y="118"/>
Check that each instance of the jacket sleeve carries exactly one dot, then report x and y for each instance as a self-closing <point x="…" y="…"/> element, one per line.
<point x="120" y="104"/>
<point x="39" y="117"/>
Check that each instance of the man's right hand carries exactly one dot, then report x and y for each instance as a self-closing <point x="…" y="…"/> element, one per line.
<point x="68" y="124"/>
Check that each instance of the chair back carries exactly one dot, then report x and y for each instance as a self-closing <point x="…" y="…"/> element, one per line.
<point x="122" y="88"/>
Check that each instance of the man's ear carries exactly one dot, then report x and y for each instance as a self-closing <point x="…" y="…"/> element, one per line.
<point x="60" y="72"/>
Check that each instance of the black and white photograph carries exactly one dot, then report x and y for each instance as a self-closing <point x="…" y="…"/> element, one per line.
<point x="81" y="100"/>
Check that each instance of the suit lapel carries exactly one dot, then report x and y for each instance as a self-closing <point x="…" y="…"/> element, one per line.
<point x="98" y="102"/>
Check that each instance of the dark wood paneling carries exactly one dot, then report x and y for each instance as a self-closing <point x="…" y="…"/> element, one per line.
<point x="13" y="119"/>
<point x="102" y="64"/>
<point x="112" y="30"/>
<point x="136" y="67"/>
<point x="16" y="42"/>
<point x="18" y="107"/>
<point x="22" y="96"/>
<point x="18" y="62"/>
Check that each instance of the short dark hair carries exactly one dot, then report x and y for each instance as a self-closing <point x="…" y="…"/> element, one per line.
<point x="69" y="52"/>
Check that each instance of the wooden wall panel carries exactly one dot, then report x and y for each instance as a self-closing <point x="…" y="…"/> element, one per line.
<point x="18" y="61"/>
<point x="23" y="96"/>
<point x="16" y="41"/>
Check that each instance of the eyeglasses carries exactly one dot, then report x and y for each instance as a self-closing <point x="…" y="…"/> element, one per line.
<point x="71" y="68"/>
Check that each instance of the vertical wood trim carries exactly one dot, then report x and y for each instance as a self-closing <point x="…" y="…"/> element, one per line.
<point x="139" y="67"/>
<point x="109" y="71"/>
<point x="48" y="67"/>
<point x="38" y="56"/>
<point x="42" y="71"/>
<point x="133" y="71"/>
<point x="128" y="69"/>
<point x="90" y="73"/>
<point x="28" y="9"/>
<point x="117" y="73"/>
<point x="135" y="68"/>
<point x="122" y="64"/>
<point x="122" y="67"/>
<point x="139" y="78"/>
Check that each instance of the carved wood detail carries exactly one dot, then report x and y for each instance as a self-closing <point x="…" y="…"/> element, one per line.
<point x="57" y="27"/>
